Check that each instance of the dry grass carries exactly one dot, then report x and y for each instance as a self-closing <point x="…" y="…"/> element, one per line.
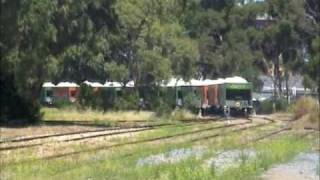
<point x="305" y="105"/>
<point x="182" y="114"/>
<point x="10" y="132"/>
<point x="306" y="109"/>
<point x="92" y="115"/>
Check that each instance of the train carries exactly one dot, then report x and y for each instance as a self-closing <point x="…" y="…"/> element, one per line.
<point x="230" y="95"/>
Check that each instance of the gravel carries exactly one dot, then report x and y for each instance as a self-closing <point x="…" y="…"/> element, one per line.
<point x="226" y="159"/>
<point x="304" y="166"/>
<point x="172" y="156"/>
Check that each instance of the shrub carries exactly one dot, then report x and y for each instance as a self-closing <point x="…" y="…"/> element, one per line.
<point x="181" y="114"/>
<point x="161" y="107"/>
<point x="127" y="101"/>
<point x="306" y="105"/>
<point x="62" y="103"/>
<point x="192" y="102"/>
<point x="266" y="107"/>
<point x="108" y="98"/>
<point x="85" y="95"/>
<point x="15" y="106"/>
<point x="282" y="104"/>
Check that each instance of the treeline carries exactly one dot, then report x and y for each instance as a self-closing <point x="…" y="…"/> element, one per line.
<point x="151" y="40"/>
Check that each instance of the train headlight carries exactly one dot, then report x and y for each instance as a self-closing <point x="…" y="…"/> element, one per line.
<point x="237" y="104"/>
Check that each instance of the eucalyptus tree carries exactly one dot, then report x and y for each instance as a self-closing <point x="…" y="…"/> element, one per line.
<point x="287" y="39"/>
<point x="27" y="30"/>
<point x="82" y="48"/>
<point x="33" y="57"/>
<point x="151" y="43"/>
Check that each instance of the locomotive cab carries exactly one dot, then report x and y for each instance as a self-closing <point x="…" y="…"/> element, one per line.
<point x="237" y="98"/>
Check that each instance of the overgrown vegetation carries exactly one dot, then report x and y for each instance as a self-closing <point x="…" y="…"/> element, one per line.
<point x="272" y="105"/>
<point x="304" y="106"/>
<point x="306" y="111"/>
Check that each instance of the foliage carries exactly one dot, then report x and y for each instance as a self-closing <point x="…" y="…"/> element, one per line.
<point x="191" y="102"/>
<point x="306" y="105"/>
<point x="62" y="103"/>
<point x="265" y="107"/>
<point x="127" y="101"/>
<point x="269" y="106"/>
<point x="13" y="105"/>
<point x="85" y="95"/>
<point x="161" y="106"/>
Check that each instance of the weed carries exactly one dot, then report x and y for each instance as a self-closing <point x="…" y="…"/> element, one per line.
<point x="94" y="115"/>
<point x="306" y="105"/>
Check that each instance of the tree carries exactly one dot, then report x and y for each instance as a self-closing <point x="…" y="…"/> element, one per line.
<point x="26" y="34"/>
<point x="151" y="41"/>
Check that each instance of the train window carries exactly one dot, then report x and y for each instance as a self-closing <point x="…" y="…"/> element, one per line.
<point x="238" y="94"/>
<point x="119" y="92"/>
<point x="161" y="94"/>
<point x="179" y="95"/>
<point x="49" y="93"/>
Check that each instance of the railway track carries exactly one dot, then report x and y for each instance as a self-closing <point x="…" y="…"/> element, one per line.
<point x="151" y="140"/>
<point x="107" y="133"/>
<point x="254" y="140"/>
<point x="81" y="133"/>
<point x="28" y="138"/>
<point x="225" y="133"/>
<point x="80" y="136"/>
<point x="122" y="122"/>
<point x="129" y="143"/>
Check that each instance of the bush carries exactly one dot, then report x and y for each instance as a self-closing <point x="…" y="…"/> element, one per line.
<point x="127" y="101"/>
<point x="192" y="102"/>
<point x="282" y="104"/>
<point x="306" y="105"/>
<point x="108" y="98"/>
<point x="85" y="95"/>
<point x="62" y="103"/>
<point x="266" y="107"/>
<point x="161" y="107"/>
<point x="15" y="106"/>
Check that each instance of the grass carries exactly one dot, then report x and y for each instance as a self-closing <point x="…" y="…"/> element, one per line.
<point x="72" y="114"/>
<point x="307" y="110"/>
<point x="181" y="114"/>
<point x="120" y="163"/>
<point x="305" y="105"/>
<point x="270" y="153"/>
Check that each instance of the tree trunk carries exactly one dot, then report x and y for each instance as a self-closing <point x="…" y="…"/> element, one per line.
<point x="287" y="86"/>
<point x="276" y="78"/>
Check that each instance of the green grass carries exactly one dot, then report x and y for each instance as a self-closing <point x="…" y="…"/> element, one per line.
<point x="121" y="163"/>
